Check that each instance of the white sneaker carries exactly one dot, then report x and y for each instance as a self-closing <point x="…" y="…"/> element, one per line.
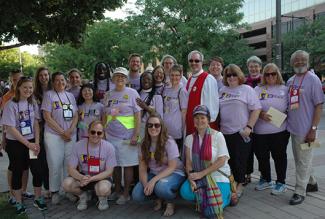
<point x="82" y="205"/>
<point x="113" y="196"/>
<point x="71" y="197"/>
<point x="55" y="198"/>
<point x="102" y="203"/>
<point x="122" y="200"/>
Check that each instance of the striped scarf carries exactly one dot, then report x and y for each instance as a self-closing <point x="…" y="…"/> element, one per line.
<point x="208" y="196"/>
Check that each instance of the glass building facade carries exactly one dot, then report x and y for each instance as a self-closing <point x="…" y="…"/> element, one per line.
<point x="259" y="10"/>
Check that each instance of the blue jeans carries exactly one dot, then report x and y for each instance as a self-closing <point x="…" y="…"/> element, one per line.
<point x="165" y="188"/>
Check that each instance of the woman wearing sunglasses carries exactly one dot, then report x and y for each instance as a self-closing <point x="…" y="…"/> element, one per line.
<point x="268" y="138"/>
<point x="89" y="110"/>
<point x="90" y="167"/>
<point x="206" y="154"/>
<point x="239" y="111"/>
<point x="21" y="120"/>
<point x="61" y="117"/>
<point x="159" y="154"/>
<point x="123" y="120"/>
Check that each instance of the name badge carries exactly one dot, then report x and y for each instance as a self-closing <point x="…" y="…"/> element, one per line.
<point x="67" y="111"/>
<point x="93" y="166"/>
<point x="294" y="98"/>
<point x="25" y="127"/>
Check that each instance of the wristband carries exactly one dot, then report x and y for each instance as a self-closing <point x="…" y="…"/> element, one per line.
<point x="250" y="127"/>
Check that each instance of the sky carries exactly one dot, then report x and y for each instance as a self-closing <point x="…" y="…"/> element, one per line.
<point x="119" y="13"/>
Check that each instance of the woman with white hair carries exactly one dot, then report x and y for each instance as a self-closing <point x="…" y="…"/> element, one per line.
<point x="168" y="62"/>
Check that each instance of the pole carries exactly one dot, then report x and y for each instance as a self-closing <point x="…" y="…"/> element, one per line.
<point x="278" y="58"/>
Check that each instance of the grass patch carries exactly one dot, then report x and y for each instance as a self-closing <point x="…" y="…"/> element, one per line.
<point x="6" y="210"/>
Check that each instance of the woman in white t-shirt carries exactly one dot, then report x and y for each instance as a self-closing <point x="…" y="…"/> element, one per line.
<point x="206" y="162"/>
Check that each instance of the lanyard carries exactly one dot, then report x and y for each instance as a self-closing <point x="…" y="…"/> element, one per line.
<point x="23" y="112"/>
<point x="60" y="98"/>
<point x="88" y="114"/>
<point x="293" y="82"/>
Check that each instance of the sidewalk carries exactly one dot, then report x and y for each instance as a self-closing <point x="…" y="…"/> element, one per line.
<point x="259" y="205"/>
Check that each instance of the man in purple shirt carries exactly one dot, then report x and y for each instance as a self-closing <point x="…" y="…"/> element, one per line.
<point x="134" y="71"/>
<point x="305" y="107"/>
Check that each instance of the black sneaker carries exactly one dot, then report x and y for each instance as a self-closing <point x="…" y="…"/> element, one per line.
<point x="312" y="187"/>
<point x="20" y="208"/>
<point x="40" y="204"/>
<point x="296" y="199"/>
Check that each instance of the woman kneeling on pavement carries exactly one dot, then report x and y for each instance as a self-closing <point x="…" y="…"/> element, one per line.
<point x="21" y="120"/>
<point x="91" y="166"/>
<point x="206" y="164"/>
<point x="159" y="154"/>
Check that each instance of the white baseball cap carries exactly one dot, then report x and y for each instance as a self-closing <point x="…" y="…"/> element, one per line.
<point x="121" y="70"/>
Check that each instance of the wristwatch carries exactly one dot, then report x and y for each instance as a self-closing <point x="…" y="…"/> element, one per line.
<point x="314" y="127"/>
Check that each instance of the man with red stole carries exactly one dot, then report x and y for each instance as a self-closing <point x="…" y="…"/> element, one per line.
<point x="201" y="88"/>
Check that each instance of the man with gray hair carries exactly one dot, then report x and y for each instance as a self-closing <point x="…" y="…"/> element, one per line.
<point x="305" y="107"/>
<point x="202" y="90"/>
<point x="168" y="62"/>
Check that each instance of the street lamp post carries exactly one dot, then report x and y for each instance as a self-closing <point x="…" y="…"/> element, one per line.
<point x="278" y="53"/>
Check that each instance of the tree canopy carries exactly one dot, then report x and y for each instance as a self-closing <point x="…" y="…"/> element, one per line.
<point x="42" y="21"/>
<point x="309" y="37"/>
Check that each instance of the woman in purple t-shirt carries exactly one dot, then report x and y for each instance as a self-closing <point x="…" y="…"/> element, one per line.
<point x="159" y="154"/>
<point x="42" y="85"/>
<point x="89" y="110"/>
<point x="102" y="80"/>
<point x="239" y="111"/>
<point x="267" y="137"/>
<point x="61" y="117"/>
<point x="74" y="82"/>
<point x="158" y="74"/>
<point x="149" y="101"/>
<point x="21" y="120"/>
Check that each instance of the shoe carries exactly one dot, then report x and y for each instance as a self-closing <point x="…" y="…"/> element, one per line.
<point x="312" y="187"/>
<point x="47" y="194"/>
<point x="55" y="198"/>
<point x="240" y="194"/>
<point x="27" y="195"/>
<point x="102" y="203"/>
<point x="20" y="208"/>
<point x="40" y="204"/>
<point x="122" y="200"/>
<point x="71" y="197"/>
<point x="279" y="188"/>
<point x="262" y="185"/>
<point x="248" y="179"/>
<point x="12" y="200"/>
<point x="82" y="205"/>
<point x="296" y="199"/>
<point x="113" y="196"/>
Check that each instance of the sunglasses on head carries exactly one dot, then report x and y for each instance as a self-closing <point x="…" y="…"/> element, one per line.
<point x="156" y="125"/>
<point x="194" y="60"/>
<point x="231" y="74"/>
<point x="93" y="132"/>
<point x="270" y="74"/>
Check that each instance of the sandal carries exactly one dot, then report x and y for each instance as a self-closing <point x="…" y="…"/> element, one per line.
<point x="170" y="210"/>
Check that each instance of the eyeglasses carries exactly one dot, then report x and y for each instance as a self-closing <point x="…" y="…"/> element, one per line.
<point x="93" y="132"/>
<point x="194" y="60"/>
<point x="151" y="125"/>
<point x="270" y="74"/>
<point x="231" y="74"/>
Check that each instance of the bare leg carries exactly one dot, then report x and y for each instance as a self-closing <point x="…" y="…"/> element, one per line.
<point x="117" y="177"/>
<point x="128" y="179"/>
<point x="17" y="195"/>
<point x="71" y="185"/>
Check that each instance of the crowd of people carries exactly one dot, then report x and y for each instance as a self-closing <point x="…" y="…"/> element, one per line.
<point x="165" y="133"/>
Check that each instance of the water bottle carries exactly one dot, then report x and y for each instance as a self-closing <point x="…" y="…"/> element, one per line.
<point x="246" y="139"/>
